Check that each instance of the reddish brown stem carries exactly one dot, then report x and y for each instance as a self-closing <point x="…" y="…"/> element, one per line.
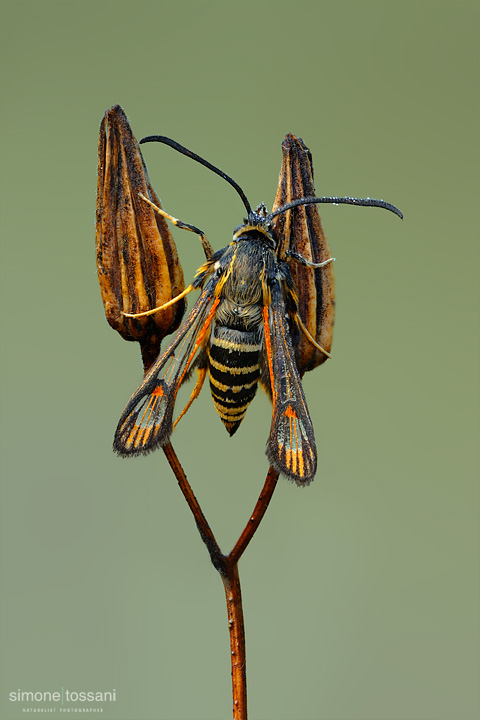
<point x="236" y="628"/>
<point x="227" y="566"/>
<point x="256" y="517"/>
<point x="203" y="527"/>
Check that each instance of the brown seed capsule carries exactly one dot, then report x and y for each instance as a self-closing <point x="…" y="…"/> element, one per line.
<point x="137" y="261"/>
<point x="300" y="230"/>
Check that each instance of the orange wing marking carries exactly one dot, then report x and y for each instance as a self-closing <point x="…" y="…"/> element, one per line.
<point x="268" y="345"/>
<point x="294" y="453"/>
<point x="138" y="435"/>
<point x="199" y="340"/>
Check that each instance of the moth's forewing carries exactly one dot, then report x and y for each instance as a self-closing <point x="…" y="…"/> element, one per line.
<point x="291" y="444"/>
<point x="300" y="230"/>
<point x="146" y="421"/>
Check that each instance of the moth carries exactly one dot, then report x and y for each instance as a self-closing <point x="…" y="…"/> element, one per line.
<point x="241" y="333"/>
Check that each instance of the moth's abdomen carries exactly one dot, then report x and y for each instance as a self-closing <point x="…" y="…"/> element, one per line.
<point x="234" y="372"/>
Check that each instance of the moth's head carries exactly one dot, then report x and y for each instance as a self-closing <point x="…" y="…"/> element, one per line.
<point x="257" y="225"/>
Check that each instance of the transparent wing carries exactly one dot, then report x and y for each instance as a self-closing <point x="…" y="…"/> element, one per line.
<point x="146" y="421"/>
<point x="291" y="443"/>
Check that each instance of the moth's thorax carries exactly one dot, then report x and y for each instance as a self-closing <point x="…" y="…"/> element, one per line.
<point x="241" y="292"/>
<point x="231" y="313"/>
<point x="244" y="272"/>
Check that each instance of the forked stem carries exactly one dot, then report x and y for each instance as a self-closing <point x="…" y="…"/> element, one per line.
<point x="227" y="566"/>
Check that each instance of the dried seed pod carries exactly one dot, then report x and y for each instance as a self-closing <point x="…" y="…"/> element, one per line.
<point x="300" y="230"/>
<point x="137" y="261"/>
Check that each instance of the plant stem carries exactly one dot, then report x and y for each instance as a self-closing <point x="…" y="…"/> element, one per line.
<point x="236" y="628"/>
<point x="203" y="527"/>
<point x="227" y="566"/>
<point x="256" y="516"/>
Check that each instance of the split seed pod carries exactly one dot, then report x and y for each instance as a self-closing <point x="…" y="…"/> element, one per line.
<point x="300" y="230"/>
<point x="137" y="261"/>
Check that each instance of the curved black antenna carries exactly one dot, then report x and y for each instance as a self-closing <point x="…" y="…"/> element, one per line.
<point x="365" y="202"/>
<point x="197" y="158"/>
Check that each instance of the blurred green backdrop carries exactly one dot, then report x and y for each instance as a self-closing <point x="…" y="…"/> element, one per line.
<point x="361" y="592"/>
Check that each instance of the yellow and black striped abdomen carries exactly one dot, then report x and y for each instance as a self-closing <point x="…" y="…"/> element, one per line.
<point x="234" y="372"/>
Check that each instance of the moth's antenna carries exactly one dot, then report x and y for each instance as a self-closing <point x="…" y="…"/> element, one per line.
<point x="365" y="202"/>
<point x="197" y="158"/>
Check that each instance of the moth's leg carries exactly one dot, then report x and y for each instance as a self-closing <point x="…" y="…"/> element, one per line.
<point x="202" y="372"/>
<point x="161" y="307"/>
<point x="307" y="263"/>
<point x="302" y="327"/>
<point x="207" y="248"/>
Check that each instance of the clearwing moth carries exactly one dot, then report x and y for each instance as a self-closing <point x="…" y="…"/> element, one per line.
<point x="240" y="329"/>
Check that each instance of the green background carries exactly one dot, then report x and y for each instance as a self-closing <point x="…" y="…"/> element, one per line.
<point x="361" y="592"/>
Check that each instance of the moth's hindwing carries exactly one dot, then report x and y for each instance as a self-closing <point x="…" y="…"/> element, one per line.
<point x="291" y="443"/>
<point x="146" y="421"/>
